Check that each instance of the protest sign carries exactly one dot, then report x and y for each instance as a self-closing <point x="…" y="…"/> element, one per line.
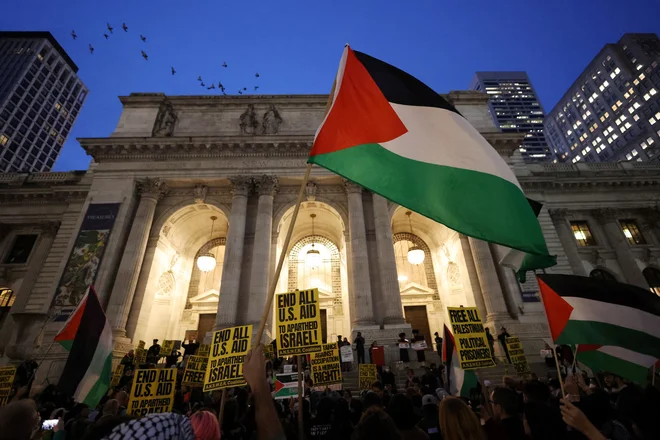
<point x="191" y="335"/>
<point x="228" y="350"/>
<point x="419" y="345"/>
<point x="470" y="338"/>
<point x="152" y="391"/>
<point x="167" y="347"/>
<point x="367" y="375"/>
<point x="177" y="345"/>
<point x="288" y="368"/>
<point x="298" y="321"/>
<point x="346" y="353"/>
<point x="7" y="375"/>
<point x="193" y="376"/>
<point x="116" y="376"/>
<point x="286" y="386"/>
<point x="517" y="356"/>
<point x="204" y="350"/>
<point x="141" y="345"/>
<point x="325" y="365"/>
<point x="269" y="353"/>
<point x="140" y="356"/>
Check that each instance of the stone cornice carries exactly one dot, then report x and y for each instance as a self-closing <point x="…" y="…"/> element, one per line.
<point x="154" y="99"/>
<point x="43" y="197"/>
<point x="564" y="176"/>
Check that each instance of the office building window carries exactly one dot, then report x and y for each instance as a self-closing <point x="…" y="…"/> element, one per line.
<point x="631" y="231"/>
<point x="582" y="233"/>
<point x="20" y="250"/>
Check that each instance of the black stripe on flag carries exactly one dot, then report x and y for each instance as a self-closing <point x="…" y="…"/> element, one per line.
<point x="606" y="291"/>
<point x="448" y="353"/>
<point x="400" y="87"/>
<point x="84" y="345"/>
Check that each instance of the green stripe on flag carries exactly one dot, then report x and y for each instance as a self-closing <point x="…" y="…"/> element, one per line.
<point x="101" y="386"/>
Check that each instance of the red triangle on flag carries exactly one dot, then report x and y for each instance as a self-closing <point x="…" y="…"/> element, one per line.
<point x="278" y="385"/>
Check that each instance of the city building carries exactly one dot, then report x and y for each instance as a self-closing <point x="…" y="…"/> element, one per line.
<point x="515" y="108"/>
<point x="612" y="111"/>
<point x="182" y="214"/>
<point x="40" y="98"/>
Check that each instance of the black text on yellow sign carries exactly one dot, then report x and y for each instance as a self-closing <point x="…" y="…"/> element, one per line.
<point x="298" y="321"/>
<point x="152" y="391"/>
<point x="204" y="350"/>
<point x="7" y="375"/>
<point x="517" y="355"/>
<point x="470" y="338"/>
<point x="367" y="375"/>
<point x="193" y="376"/>
<point x="325" y="365"/>
<point x="228" y="350"/>
<point x="140" y="356"/>
<point x="116" y="376"/>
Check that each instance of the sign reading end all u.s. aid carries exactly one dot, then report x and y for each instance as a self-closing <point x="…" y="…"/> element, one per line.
<point x="298" y="321"/>
<point x="225" y="365"/>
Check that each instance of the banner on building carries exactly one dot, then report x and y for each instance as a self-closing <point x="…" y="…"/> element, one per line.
<point x="269" y="352"/>
<point x="517" y="356"/>
<point x="346" y="353"/>
<point x="140" y="357"/>
<point x="117" y="374"/>
<point x="167" y="347"/>
<point x="470" y="338"/>
<point x="7" y="375"/>
<point x="367" y="375"/>
<point x="192" y="335"/>
<point x="325" y="365"/>
<point x="286" y="386"/>
<point x="298" y="321"/>
<point x="85" y="258"/>
<point x="228" y="350"/>
<point x="204" y="350"/>
<point x="152" y="391"/>
<point x="193" y="375"/>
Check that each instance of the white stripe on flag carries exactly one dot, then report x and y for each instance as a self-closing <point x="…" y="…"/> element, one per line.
<point x="103" y="350"/>
<point x="614" y="314"/>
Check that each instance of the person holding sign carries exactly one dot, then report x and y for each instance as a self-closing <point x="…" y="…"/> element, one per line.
<point x="470" y="338"/>
<point x="404" y="345"/>
<point x="152" y="391"/>
<point x="153" y="354"/>
<point x="359" y="347"/>
<point x="419" y="344"/>
<point x="298" y="321"/>
<point x="502" y="338"/>
<point x="228" y="350"/>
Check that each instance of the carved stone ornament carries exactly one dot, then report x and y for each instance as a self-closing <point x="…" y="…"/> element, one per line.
<point x="351" y="187"/>
<point x="165" y="120"/>
<point x="607" y="214"/>
<point x="271" y="121"/>
<point x="50" y="229"/>
<point x="310" y="191"/>
<point x="200" y="192"/>
<point x="558" y="214"/>
<point x="154" y="188"/>
<point x="248" y="121"/>
<point x="240" y="185"/>
<point x="266" y="185"/>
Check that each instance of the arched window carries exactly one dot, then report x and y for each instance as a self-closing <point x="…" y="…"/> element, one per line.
<point x="602" y="274"/>
<point x="422" y="274"/>
<point x="325" y="276"/>
<point x="652" y="276"/>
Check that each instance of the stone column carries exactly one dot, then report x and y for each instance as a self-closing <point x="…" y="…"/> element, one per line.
<point x="231" y="270"/>
<point x="390" y="294"/>
<point x="472" y="275"/>
<point x="265" y="186"/>
<point x="121" y="298"/>
<point x="508" y="283"/>
<point x="609" y="219"/>
<point x="567" y="239"/>
<point x="362" y="312"/>
<point x="488" y="281"/>
<point x="138" y="317"/>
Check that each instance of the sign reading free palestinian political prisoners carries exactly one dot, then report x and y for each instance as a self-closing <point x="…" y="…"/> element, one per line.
<point x="326" y="367"/>
<point x="517" y="355"/>
<point x="367" y="375"/>
<point x="7" y="375"/>
<point x="193" y="376"/>
<point x="228" y="351"/>
<point x="298" y="321"/>
<point x="470" y="338"/>
<point x="152" y="391"/>
<point x="140" y="356"/>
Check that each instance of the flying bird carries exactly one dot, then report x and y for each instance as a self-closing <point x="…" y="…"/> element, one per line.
<point x="240" y="92"/>
<point x="73" y="34"/>
<point x="255" y="88"/>
<point x="257" y="74"/>
<point x="91" y="49"/>
<point x="124" y="27"/>
<point x="106" y="36"/>
<point x="224" y="64"/>
<point x="244" y="88"/>
<point x="211" y="87"/>
<point x="109" y="27"/>
<point x="173" y="71"/>
<point x="144" y="55"/>
<point x="143" y="38"/>
<point x="202" y="84"/>
<point x="199" y="78"/>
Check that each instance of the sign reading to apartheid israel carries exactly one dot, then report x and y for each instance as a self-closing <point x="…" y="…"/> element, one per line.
<point x="116" y="376"/>
<point x="470" y="338"/>
<point x="152" y="391"/>
<point x="367" y="375"/>
<point x="193" y="376"/>
<point x="7" y="375"/>
<point x="228" y="350"/>
<point x="326" y="367"/>
<point x="298" y="320"/>
<point x="517" y="355"/>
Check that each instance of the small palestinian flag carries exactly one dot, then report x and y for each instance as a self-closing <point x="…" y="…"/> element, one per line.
<point x="392" y="134"/>
<point x="618" y="360"/>
<point x="88" y="337"/>
<point x="585" y="310"/>
<point x="459" y="381"/>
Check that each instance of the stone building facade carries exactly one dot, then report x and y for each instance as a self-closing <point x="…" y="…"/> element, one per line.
<point x="173" y="162"/>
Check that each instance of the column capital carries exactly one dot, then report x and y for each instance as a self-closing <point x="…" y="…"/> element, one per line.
<point x="49" y="229"/>
<point x="352" y="187"/>
<point x="558" y="213"/>
<point x="152" y="188"/>
<point x="607" y="214"/>
<point x="240" y="185"/>
<point x="266" y="185"/>
<point x="310" y="191"/>
<point x="199" y="193"/>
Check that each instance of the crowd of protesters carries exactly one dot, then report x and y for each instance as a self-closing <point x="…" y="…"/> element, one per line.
<point x="604" y="407"/>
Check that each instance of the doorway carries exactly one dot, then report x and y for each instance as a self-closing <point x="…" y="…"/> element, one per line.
<point x="418" y="319"/>
<point x="324" y="326"/>
<point x="206" y="323"/>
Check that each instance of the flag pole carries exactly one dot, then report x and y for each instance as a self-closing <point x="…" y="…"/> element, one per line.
<point x="554" y="349"/>
<point x="221" y="413"/>
<point x="301" y="428"/>
<point x="287" y="240"/>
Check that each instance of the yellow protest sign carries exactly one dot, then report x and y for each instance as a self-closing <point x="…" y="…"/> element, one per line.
<point x="470" y="338"/>
<point x="191" y="335"/>
<point x="298" y="321"/>
<point x="140" y="356"/>
<point x="167" y="347"/>
<point x="325" y="365"/>
<point x="116" y="376"/>
<point x="7" y="375"/>
<point x="204" y="350"/>
<point x="367" y="375"/>
<point x="152" y="391"/>
<point x="517" y="356"/>
<point x="269" y="353"/>
<point x="193" y="376"/>
<point x="141" y="345"/>
<point x="228" y="350"/>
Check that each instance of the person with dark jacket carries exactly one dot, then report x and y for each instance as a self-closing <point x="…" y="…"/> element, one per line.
<point x="506" y="423"/>
<point x="502" y="338"/>
<point x="153" y="354"/>
<point x="190" y="349"/>
<point x="359" y="344"/>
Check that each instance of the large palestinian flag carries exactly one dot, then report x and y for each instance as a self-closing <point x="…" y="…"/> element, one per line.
<point x="395" y="136"/>
<point x="584" y="310"/>
<point x="618" y="360"/>
<point x="459" y="381"/>
<point x="88" y="336"/>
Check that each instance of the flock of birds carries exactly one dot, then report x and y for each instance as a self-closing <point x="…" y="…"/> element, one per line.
<point x="173" y="71"/>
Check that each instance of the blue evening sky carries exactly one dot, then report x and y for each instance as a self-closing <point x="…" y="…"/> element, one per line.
<point x="295" y="45"/>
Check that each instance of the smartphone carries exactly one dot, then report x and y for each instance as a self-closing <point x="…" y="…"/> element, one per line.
<point x="49" y="424"/>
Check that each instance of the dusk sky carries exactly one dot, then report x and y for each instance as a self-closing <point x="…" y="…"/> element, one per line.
<point x="295" y="46"/>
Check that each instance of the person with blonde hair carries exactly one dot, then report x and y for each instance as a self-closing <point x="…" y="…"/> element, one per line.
<point x="458" y="421"/>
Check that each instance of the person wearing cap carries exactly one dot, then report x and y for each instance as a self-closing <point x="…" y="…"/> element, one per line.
<point x="430" y="422"/>
<point x="153" y="354"/>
